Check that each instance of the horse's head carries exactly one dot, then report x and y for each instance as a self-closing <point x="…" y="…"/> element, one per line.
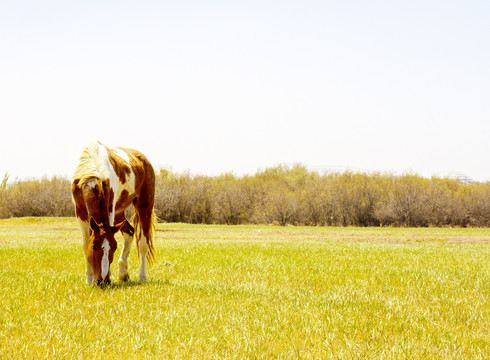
<point x="100" y="252"/>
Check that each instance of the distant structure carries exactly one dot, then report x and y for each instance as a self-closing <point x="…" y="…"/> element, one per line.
<point x="454" y="175"/>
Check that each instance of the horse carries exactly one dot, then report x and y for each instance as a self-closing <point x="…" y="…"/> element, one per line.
<point x="105" y="183"/>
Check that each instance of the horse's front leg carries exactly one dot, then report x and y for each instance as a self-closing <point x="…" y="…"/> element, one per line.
<point x="123" y="259"/>
<point x="127" y="231"/>
<point x="84" y="227"/>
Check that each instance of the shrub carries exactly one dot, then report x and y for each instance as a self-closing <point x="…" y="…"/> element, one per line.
<point x="45" y="197"/>
<point x="283" y="195"/>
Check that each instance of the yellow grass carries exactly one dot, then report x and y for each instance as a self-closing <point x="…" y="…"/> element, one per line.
<point x="255" y="292"/>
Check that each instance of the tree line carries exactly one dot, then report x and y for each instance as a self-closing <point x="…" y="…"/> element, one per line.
<point x="282" y="195"/>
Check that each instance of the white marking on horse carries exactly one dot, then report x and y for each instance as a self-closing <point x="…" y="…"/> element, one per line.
<point x="105" y="258"/>
<point x="92" y="184"/>
<point x="129" y="184"/>
<point x="112" y="176"/>
<point x="116" y="186"/>
<point x="143" y="247"/>
<point x="122" y="154"/>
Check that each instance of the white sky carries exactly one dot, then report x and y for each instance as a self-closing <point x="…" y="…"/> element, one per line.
<point x="219" y="86"/>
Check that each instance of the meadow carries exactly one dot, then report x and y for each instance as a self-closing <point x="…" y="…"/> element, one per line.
<point x="250" y="291"/>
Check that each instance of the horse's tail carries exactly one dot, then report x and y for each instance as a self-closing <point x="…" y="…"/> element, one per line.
<point x="150" y="237"/>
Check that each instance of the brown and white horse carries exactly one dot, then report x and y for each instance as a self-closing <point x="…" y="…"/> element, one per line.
<point x="105" y="183"/>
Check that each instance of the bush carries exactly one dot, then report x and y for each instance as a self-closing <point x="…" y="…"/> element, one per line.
<point x="282" y="195"/>
<point x="45" y="197"/>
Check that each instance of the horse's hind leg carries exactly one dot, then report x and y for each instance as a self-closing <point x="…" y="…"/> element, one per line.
<point x="127" y="231"/>
<point x="143" y="248"/>
<point x="144" y="219"/>
<point x="144" y="234"/>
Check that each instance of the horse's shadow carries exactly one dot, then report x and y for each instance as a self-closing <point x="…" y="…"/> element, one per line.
<point x="135" y="283"/>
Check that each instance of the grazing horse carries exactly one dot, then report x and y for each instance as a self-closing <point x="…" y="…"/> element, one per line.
<point x="105" y="183"/>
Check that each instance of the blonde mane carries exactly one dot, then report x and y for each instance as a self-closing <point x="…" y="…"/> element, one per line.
<point x="90" y="165"/>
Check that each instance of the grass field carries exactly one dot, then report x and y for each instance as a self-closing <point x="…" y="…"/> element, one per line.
<point x="257" y="292"/>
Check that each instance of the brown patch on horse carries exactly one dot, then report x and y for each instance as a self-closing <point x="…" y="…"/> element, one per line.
<point x="137" y="161"/>
<point x="93" y="197"/>
<point x="80" y="208"/>
<point x="121" y="167"/>
<point x="108" y="194"/>
<point x="124" y="200"/>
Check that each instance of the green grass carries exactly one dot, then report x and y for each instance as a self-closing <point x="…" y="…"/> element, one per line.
<point x="256" y="292"/>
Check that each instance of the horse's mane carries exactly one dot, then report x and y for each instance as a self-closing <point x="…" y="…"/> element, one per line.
<point x="90" y="165"/>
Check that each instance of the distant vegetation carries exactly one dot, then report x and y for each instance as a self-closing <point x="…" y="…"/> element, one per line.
<point x="283" y="195"/>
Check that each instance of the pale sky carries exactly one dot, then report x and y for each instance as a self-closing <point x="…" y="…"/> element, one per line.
<point x="227" y="86"/>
